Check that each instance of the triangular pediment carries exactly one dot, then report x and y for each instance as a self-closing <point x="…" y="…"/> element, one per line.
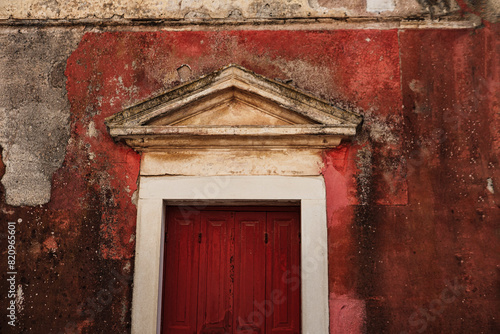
<point x="233" y="103"/>
<point x="231" y="107"/>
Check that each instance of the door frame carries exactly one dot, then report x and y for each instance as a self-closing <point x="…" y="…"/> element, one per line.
<point x="158" y="191"/>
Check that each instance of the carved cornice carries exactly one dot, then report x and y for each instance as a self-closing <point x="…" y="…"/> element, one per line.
<point x="233" y="107"/>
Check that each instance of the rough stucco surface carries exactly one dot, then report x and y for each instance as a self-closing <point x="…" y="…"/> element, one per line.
<point x="413" y="205"/>
<point x="34" y="111"/>
<point x="487" y="9"/>
<point x="189" y="9"/>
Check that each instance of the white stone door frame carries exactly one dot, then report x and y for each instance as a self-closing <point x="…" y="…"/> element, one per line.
<point x="156" y="192"/>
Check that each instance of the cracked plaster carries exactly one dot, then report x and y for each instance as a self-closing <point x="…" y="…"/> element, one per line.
<point x="34" y="111"/>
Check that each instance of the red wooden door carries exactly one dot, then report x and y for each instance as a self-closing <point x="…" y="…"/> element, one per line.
<point x="180" y="273"/>
<point x="232" y="270"/>
<point x="283" y="274"/>
<point x="214" y="293"/>
<point x="250" y="272"/>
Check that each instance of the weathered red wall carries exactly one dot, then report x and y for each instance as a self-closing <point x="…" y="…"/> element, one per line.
<point x="409" y="214"/>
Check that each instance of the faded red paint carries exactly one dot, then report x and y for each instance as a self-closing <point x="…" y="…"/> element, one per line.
<point x="409" y="213"/>
<point x="346" y="315"/>
<point x="50" y="244"/>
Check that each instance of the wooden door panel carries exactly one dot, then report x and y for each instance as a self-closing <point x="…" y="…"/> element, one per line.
<point x="250" y="273"/>
<point x="283" y="285"/>
<point x="180" y="274"/>
<point x="215" y="304"/>
<point x="231" y="271"/>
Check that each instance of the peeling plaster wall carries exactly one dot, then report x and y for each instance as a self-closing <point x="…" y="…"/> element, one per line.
<point x="34" y="110"/>
<point x="413" y="200"/>
<point x="189" y="9"/>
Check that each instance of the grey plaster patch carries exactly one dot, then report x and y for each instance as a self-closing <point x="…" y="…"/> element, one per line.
<point x="203" y="9"/>
<point x="487" y="9"/>
<point x="489" y="185"/>
<point x="34" y="110"/>
<point x="264" y="8"/>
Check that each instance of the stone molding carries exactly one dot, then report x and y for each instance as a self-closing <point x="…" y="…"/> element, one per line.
<point x="233" y="107"/>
